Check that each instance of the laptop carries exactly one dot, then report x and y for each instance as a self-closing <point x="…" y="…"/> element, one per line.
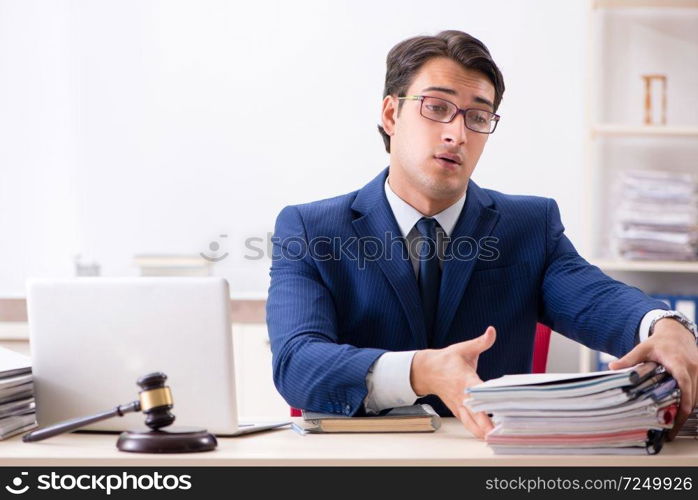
<point x="92" y="338"/>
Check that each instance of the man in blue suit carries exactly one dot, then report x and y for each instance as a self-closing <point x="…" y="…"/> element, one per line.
<point x="422" y="283"/>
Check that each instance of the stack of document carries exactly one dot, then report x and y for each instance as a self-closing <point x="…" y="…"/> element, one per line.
<point x="17" y="409"/>
<point x="656" y="216"/>
<point x="611" y="412"/>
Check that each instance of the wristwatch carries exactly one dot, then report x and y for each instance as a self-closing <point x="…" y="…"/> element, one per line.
<point x="681" y="318"/>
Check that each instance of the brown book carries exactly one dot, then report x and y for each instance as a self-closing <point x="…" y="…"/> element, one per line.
<point x="415" y="418"/>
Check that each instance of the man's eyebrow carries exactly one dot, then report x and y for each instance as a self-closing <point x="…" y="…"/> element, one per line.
<point x="445" y="90"/>
<point x="450" y="91"/>
<point x="482" y="100"/>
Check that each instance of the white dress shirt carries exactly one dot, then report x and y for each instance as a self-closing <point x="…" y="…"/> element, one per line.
<point x="388" y="380"/>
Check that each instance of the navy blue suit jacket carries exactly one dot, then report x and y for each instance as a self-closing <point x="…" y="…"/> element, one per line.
<point x="343" y="292"/>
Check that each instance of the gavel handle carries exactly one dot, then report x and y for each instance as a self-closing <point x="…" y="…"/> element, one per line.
<point x="75" y="423"/>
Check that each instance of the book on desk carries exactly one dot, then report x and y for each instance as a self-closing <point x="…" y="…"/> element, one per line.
<point x="415" y="418"/>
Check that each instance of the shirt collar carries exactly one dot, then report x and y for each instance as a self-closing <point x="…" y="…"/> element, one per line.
<point x="407" y="216"/>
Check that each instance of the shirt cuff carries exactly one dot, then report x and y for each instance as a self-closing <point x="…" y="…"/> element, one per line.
<point x="388" y="382"/>
<point x="644" y="332"/>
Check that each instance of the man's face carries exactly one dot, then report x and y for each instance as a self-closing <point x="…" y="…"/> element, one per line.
<point x="417" y="142"/>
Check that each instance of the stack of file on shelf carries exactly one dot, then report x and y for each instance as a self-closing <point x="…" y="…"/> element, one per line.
<point x="612" y="412"/>
<point x="657" y="216"/>
<point x="17" y="413"/>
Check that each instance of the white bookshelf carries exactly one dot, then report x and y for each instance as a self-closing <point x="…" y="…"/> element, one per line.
<point x="628" y="38"/>
<point x="616" y="4"/>
<point x="610" y="130"/>
<point x="647" y="266"/>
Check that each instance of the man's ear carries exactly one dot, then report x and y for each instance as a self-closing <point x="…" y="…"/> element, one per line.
<point x="389" y="114"/>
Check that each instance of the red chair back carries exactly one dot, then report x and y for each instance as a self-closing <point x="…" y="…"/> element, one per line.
<point x="541" y="343"/>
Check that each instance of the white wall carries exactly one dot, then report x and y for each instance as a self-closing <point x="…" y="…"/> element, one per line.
<point x="153" y="127"/>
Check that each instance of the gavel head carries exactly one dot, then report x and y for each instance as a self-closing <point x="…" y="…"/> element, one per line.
<point x="156" y="400"/>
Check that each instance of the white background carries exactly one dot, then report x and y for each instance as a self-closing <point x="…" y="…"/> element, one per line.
<point x="132" y="127"/>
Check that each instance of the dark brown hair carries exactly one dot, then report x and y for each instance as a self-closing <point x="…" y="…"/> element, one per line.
<point x="407" y="57"/>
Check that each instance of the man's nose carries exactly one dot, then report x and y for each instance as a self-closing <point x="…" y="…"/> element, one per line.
<point x="454" y="132"/>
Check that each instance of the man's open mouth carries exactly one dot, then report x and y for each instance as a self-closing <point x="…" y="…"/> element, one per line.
<point x="453" y="159"/>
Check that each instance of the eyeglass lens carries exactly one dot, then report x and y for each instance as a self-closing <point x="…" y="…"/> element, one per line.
<point x="444" y="111"/>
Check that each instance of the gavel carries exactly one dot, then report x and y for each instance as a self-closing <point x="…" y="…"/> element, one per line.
<point x="155" y="400"/>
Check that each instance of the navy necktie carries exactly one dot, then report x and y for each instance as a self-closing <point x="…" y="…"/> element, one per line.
<point x="429" y="272"/>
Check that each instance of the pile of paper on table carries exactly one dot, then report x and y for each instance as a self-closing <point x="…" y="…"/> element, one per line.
<point x="656" y="216"/>
<point x="612" y="412"/>
<point x="17" y="409"/>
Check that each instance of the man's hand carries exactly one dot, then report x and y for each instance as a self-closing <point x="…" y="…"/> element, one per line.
<point x="673" y="346"/>
<point x="448" y="372"/>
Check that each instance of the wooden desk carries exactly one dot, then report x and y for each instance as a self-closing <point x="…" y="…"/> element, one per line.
<point x="451" y="445"/>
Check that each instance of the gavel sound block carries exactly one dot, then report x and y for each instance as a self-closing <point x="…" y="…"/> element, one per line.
<point x="155" y="400"/>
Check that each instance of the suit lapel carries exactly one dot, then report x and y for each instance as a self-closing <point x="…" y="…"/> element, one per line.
<point x="376" y="220"/>
<point x="476" y="221"/>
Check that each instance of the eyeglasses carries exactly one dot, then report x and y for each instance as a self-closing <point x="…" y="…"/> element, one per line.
<point x="443" y="111"/>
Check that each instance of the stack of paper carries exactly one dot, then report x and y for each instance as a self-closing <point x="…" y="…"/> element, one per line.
<point x="656" y="216"/>
<point x="610" y="412"/>
<point x="17" y="409"/>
